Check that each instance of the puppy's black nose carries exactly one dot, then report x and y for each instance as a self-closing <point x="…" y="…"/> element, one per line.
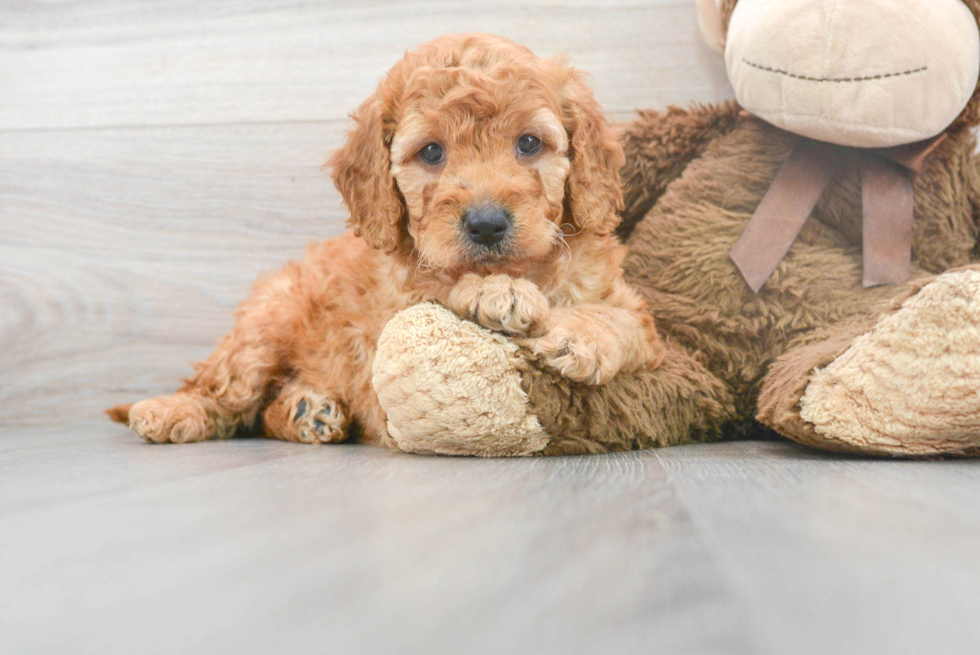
<point x="486" y="225"/>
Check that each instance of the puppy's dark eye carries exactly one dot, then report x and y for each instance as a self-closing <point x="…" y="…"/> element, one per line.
<point x="528" y="145"/>
<point x="432" y="154"/>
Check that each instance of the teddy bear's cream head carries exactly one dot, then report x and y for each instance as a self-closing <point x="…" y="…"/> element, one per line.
<point x="863" y="73"/>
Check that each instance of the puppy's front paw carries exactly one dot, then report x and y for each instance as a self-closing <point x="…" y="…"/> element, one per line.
<point x="501" y="303"/>
<point x="575" y="357"/>
<point x="581" y="354"/>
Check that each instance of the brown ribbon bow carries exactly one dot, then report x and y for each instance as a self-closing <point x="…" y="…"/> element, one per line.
<point x="887" y="198"/>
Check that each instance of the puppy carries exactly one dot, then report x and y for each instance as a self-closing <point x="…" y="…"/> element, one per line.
<point x="477" y="175"/>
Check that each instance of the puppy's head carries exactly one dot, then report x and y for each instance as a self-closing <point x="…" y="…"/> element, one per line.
<point x="477" y="154"/>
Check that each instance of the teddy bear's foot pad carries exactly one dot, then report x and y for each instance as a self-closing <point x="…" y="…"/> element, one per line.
<point x="910" y="386"/>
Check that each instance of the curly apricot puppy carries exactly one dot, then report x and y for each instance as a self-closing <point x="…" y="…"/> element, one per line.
<point x="478" y="175"/>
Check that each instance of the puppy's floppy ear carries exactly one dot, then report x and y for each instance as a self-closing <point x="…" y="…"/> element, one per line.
<point x="595" y="190"/>
<point x="362" y="174"/>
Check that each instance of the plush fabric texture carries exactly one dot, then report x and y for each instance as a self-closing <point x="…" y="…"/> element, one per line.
<point x="864" y="73"/>
<point x="790" y="375"/>
<point x="659" y="147"/>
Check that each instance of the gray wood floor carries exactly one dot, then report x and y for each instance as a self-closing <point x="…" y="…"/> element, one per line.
<point x="155" y="156"/>
<point x="108" y="545"/>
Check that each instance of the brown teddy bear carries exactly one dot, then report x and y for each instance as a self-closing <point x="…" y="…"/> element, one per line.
<point x="775" y="244"/>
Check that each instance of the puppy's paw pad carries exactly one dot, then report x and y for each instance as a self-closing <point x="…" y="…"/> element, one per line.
<point x="319" y="419"/>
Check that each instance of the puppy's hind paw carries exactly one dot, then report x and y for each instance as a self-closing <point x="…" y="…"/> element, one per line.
<point x="307" y="417"/>
<point x="320" y="420"/>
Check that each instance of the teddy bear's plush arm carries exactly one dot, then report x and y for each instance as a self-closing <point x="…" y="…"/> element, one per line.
<point x="451" y="387"/>
<point x="660" y="144"/>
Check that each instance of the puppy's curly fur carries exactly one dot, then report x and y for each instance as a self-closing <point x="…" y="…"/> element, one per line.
<point x="301" y="351"/>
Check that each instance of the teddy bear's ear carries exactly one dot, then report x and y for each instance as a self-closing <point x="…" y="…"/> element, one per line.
<point x="971" y="115"/>
<point x="712" y="24"/>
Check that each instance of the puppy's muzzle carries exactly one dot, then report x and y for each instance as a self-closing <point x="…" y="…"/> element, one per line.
<point x="487" y="225"/>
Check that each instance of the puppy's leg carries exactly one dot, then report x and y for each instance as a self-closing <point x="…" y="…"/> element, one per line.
<point x="500" y="303"/>
<point x="227" y="389"/>
<point x="592" y="343"/>
<point x="302" y="414"/>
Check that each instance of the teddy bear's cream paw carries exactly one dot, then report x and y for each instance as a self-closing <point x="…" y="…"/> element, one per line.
<point x="500" y="303"/>
<point x="451" y="387"/>
<point x="910" y="386"/>
<point x="179" y="418"/>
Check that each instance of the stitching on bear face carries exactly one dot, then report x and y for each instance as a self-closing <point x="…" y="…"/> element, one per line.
<point x="869" y="78"/>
